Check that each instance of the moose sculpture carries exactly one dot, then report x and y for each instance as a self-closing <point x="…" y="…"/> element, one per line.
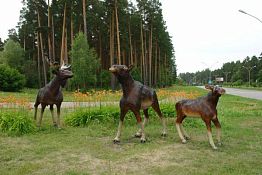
<point x="135" y="96"/>
<point x="204" y="107"/>
<point x="51" y="94"/>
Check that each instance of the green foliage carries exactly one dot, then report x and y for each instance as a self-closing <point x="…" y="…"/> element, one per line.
<point x="1" y="46"/>
<point x="84" y="116"/>
<point x="238" y="83"/>
<point x="30" y="69"/>
<point x="234" y="73"/>
<point x="13" y="55"/>
<point x="84" y="62"/>
<point x="99" y="14"/>
<point x="10" y="79"/>
<point x="104" y="78"/>
<point x="16" y="123"/>
<point x="136" y="74"/>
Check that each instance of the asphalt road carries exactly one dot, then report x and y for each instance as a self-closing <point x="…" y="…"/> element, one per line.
<point x="253" y="94"/>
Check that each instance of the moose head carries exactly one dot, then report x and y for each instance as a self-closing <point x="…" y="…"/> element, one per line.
<point x="62" y="73"/>
<point x="215" y="89"/>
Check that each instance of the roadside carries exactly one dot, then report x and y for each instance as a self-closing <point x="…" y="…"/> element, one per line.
<point x="245" y="87"/>
<point x="253" y="94"/>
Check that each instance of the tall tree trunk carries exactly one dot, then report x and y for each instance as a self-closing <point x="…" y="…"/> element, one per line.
<point x="165" y="65"/>
<point x="112" y="48"/>
<point x="65" y="48"/>
<point x="150" y="56"/>
<point x="155" y="77"/>
<point x="103" y="61"/>
<point x="42" y="48"/>
<point x="38" y="61"/>
<point x="117" y="35"/>
<point x="146" y="59"/>
<point x="112" y="38"/>
<point x="130" y="43"/>
<point x="135" y="54"/>
<point x="84" y="17"/>
<point x="49" y="35"/>
<point x="53" y="39"/>
<point x="159" y="66"/>
<point x="142" y="53"/>
<point x="124" y="61"/>
<point x="62" y="54"/>
<point x="71" y="30"/>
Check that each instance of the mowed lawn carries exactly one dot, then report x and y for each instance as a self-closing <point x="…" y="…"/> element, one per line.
<point x="90" y="150"/>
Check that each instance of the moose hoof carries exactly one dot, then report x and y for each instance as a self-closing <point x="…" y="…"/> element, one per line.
<point x="164" y="134"/>
<point x="116" y="141"/>
<point x="187" y="137"/>
<point x="214" y="148"/>
<point x="184" y="141"/>
<point x="143" y="140"/>
<point x="138" y="135"/>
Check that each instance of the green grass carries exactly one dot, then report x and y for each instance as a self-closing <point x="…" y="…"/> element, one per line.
<point x="90" y="150"/>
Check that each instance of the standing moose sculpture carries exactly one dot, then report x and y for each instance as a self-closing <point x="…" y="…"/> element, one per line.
<point x="202" y="107"/>
<point x="51" y="94"/>
<point x="135" y="96"/>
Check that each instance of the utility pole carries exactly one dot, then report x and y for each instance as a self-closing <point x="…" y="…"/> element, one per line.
<point x="249" y="70"/>
<point x="226" y="73"/>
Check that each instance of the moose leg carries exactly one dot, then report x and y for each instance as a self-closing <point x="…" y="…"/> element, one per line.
<point x="209" y="133"/>
<point x="41" y="115"/>
<point x="118" y="134"/>
<point x="218" y="128"/>
<point x="36" y="106"/>
<point x="141" y="125"/>
<point x="58" y="106"/>
<point x="179" y="120"/>
<point x="52" y="113"/>
<point x="156" y="107"/>
<point x="183" y="131"/>
<point x="139" y="132"/>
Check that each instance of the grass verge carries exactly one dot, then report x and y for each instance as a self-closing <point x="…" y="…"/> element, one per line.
<point x="90" y="150"/>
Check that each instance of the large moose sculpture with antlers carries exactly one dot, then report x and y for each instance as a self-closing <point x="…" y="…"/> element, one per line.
<point x="136" y="96"/>
<point x="52" y="94"/>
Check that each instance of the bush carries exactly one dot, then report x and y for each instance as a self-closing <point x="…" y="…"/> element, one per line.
<point x="10" y="79"/>
<point x="238" y="83"/>
<point x="84" y="116"/>
<point x="16" y="123"/>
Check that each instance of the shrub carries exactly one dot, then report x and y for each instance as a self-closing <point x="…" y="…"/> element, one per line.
<point x="238" y="83"/>
<point x="10" y="79"/>
<point x="16" y="123"/>
<point x="84" y="116"/>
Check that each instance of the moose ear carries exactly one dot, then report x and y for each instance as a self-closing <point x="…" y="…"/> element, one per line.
<point x="130" y="67"/>
<point x="211" y="87"/>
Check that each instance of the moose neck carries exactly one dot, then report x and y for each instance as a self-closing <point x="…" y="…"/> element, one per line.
<point x="213" y="98"/>
<point x="126" y="82"/>
<point x="55" y="84"/>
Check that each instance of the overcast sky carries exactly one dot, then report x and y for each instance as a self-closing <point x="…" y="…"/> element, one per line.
<point x="205" y="33"/>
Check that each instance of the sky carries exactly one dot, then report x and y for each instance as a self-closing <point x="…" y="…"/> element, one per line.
<point x="205" y="33"/>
